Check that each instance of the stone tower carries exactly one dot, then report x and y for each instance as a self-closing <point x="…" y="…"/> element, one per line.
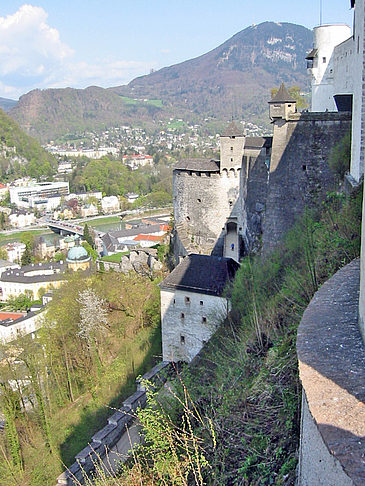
<point x="282" y="105"/>
<point x="232" y="143"/>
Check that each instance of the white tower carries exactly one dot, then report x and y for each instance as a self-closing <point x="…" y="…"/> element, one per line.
<point x="321" y="64"/>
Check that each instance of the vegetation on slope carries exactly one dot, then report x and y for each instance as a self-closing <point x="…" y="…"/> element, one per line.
<point x="99" y="334"/>
<point x="236" y="419"/>
<point x="32" y="161"/>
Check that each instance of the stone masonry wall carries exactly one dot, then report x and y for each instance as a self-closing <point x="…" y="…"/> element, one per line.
<point x="203" y="202"/>
<point x="255" y="203"/>
<point x="299" y="171"/>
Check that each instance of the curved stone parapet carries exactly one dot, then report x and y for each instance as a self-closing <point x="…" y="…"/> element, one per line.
<point x="332" y="371"/>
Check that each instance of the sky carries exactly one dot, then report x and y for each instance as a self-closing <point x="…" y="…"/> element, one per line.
<point x="80" y="43"/>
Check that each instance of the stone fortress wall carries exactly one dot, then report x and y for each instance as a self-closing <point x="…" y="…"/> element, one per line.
<point x="202" y="203"/>
<point x="257" y="202"/>
<point x="299" y="172"/>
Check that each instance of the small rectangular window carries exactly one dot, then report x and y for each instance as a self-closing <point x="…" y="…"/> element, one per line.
<point x="187" y="300"/>
<point x="182" y="339"/>
<point x="232" y="149"/>
<point x="201" y="302"/>
<point x="182" y="315"/>
<point x="231" y="159"/>
<point x="204" y="319"/>
<point x="324" y="60"/>
<point x="174" y="301"/>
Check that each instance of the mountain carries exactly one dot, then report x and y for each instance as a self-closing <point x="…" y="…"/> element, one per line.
<point x="21" y="154"/>
<point x="6" y="104"/>
<point x="236" y="77"/>
<point x="232" y="80"/>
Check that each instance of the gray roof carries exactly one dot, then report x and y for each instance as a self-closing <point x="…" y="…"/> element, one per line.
<point x="9" y="322"/>
<point x="199" y="165"/>
<point x="202" y="274"/>
<point x="258" y="142"/>
<point x="282" y="96"/>
<point x="6" y="263"/>
<point x="19" y="274"/>
<point x="232" y="131"/>
<point x="145" y="230"/>
<point x="312" y="54"/>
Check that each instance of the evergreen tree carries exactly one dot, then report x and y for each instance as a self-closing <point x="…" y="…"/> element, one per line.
<point x="27" y="256"/>
<point x="88" y="237"/>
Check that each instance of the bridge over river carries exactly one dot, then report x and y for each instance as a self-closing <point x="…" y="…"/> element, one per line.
<point x="65" y="228"/>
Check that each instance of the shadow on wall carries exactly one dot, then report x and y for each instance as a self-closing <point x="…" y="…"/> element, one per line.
<point x="251" y="201"/>
<point x="299" y="174"/>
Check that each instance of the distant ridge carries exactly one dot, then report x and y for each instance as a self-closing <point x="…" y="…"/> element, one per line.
<point x="6" y="104"/>
<point x="233" y="79"/>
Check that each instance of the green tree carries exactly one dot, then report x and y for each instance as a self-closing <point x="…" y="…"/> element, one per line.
<point x="88" y="236"/>
<point x="27" y="256"/>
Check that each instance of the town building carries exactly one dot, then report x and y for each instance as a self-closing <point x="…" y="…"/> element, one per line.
<point x="15" y="251"/>
<point x="3" y="190"/>
<point x="37" y="278"/>
<point x="110" y="204"/>
<point x="89" y="210"/>
<point x="45" y="249"/>
<point x="194" y="304"/>
<point x="21" y="219"/>
<point x="78" y="259"/>
<point x="26" y="195"/>
<point x="7" y="265"/>
<point x="16" y="324"/>
<point x="136" y="161"/>
<point x="31" y="279"/>
<point x="125" y="239"/>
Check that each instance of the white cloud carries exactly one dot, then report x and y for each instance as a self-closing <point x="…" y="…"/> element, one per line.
<point x="32" y="55"/>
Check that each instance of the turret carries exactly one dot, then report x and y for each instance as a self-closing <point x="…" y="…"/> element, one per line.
<point x="232" y="146"/>
<point x="282" y="104"/>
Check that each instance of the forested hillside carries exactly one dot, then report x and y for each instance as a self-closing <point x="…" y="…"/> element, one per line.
<point x="20" y="154"/>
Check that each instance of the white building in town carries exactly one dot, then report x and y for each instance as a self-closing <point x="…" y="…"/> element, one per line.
<point x="26" y="196"/>
<point x="31" y="279"/>
<point x="21" y="219"/>
<point x="15" y="251"/>
<point x="138" y="160"/>
<point x="15" y="324"/>
<point x="193" y="304"/>
<point x="90" y="153"/>
<point x="110" y="204"/>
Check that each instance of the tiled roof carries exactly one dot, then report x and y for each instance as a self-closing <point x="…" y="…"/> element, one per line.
<point x="143" y="237"/>
<point x="202" y="274"/>
<point x="199" y="165"/>
<point x="10" y="315"/>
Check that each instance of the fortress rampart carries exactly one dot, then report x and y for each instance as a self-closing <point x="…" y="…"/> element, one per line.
<point x="332" y="371"/>
<point x="299" y="173"/>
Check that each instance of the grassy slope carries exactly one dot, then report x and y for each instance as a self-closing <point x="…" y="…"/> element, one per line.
<point x="248" y="380"/>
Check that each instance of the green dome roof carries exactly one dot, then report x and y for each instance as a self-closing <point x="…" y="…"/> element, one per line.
<point x="77" y="254"/>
